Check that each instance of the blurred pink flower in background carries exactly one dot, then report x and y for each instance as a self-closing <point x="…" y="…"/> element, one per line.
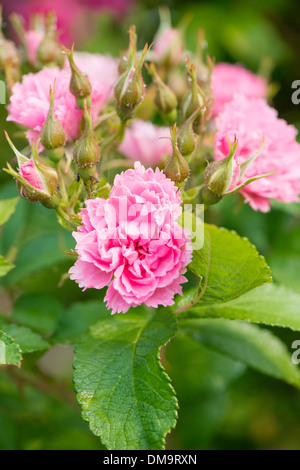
<point x="29" y="102"/>
<point x="33" y="39"/>
<point x="251" y="120"/>
<point x="168" y="45"/>
<point x="69" y="12"/>
<point x="228" y="79"/>
<point x="119" y="6"/>
<point x="146" y="142"/>
<point x="132" y="243"/>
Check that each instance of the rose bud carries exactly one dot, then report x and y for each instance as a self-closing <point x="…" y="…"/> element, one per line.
<point x="36" y="181"/>
<point x="165" y="99"/>
<point x="168" y="42"/>
<point x="87" y="152"/>
<point x="221" y="177"/>
<point x="195" y="98"/>
<point x="50" y="50"/>
<point x="52" y="134"/>
<point x="186" y="138"/>
<point x="123" y="64"/>
<point x="130" y="87"/>
<point x="80" y="85"/>
<point x="177" y="168"/>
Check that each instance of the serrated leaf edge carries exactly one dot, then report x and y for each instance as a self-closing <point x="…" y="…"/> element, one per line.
<point x="87" y="415"/>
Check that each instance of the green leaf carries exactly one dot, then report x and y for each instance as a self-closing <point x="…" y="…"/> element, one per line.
<point x="271" y="305"/>
<point x="77" y="319"/>
<point x="7" y="208"/>
<point x="194" y="368"/>
<point x="9" y="351"/>
<point x="229" y="266"/>
<point x="292" y="208"/>
<point x="285" y="269"/>
<point x="5" y="266"/>
<point x="248" y="343"/>
<point x="25" y="338"/>
<point x="121" y="386"/>
<point x="39" y="312"/>
<point x="37" y="254"/>
<point x="37" y="420"/>
<point x="201" y="378"/>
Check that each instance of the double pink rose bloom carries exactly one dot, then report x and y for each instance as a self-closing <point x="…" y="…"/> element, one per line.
<point x="132" y="242"/>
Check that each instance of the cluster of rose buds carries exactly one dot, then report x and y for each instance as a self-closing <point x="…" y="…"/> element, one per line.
<point x="90" y="113"/>
<point x="39" y="46"/>
<point x="10" y="58"/>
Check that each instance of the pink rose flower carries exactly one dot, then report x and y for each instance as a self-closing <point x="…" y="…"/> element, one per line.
<point x="143" y="141"/>
<point x="251" y="121"/>
<point x="132" y="243"/>
<point x="30" y="100"/>
<point x="228" y="79"/>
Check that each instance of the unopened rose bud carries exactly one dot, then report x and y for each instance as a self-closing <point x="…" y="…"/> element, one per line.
<point x="169" y="47"/>
<point x="177" y="82"/>
<point x="165" y="99"/>
<point x="186" y="138"/>
<point x="219" y="175"/>
<point x="168" y="42"/>
<point x="36" y="181"/>
<point x="224" y="177"/>
<point x="50" y="51"/>
<point x="124" y="61"/>
<point x="80" y="85"/>
<point x="52" y="135"/>
<point x="203" y="70"/>
<point x="177" y="168"/>
<point x="87" y="152"/>
<point x="208" y="198"/>
<point x="130" y="87"/>
<point x="195" y="99"/>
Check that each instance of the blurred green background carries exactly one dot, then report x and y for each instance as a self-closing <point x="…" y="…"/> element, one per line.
<point x="222" y="405"/>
